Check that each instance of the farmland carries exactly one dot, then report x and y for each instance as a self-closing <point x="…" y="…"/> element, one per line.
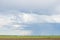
<point x="5" y="37"/>
<point x="10" y="36"/>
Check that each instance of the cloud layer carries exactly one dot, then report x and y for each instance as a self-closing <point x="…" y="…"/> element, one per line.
<point x="36" y="6"/>
<point x="28" y="24"/>
<point x="29" y="17"/>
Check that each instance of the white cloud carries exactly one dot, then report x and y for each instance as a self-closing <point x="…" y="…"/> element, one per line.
<point x="39" y="6"/>
<point x="34" y="18"/>
<point x="4" y="20"/>
<point x="15" y="32"/>
<point x="26" y="4"/>
<point x="57" y="9"/>
<point x="24" y="32"/>
<point x="51" y="18"/>
<point x="26" y="18"/>
<point x="16" y="25"/>
<point x="12" y="21"/>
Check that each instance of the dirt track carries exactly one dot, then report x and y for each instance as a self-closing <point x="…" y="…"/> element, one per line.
<point x="30" y="39"/>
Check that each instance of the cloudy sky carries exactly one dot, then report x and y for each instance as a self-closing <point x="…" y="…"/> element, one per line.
<point x="29" y="17"/>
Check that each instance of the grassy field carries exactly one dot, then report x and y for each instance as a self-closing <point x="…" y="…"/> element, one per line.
<point x="29" y="36"/>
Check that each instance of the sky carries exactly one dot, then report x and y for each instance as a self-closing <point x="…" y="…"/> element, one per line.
<point x="29" y="17"/>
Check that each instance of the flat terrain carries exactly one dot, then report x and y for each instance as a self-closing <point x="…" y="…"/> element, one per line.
<point x="29" y="38"/>
<point x="2" y="37"/>
<point x="10" y="36"/>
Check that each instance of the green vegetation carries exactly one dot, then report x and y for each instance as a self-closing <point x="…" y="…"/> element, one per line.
<point x="29" y="36"/>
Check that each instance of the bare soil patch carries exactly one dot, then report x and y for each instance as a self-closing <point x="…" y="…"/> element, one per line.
<point x="29" y="38"/>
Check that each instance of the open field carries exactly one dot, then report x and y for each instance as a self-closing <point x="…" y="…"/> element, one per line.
<point x="29" y="37"/>
<point x="6" y="36"/>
